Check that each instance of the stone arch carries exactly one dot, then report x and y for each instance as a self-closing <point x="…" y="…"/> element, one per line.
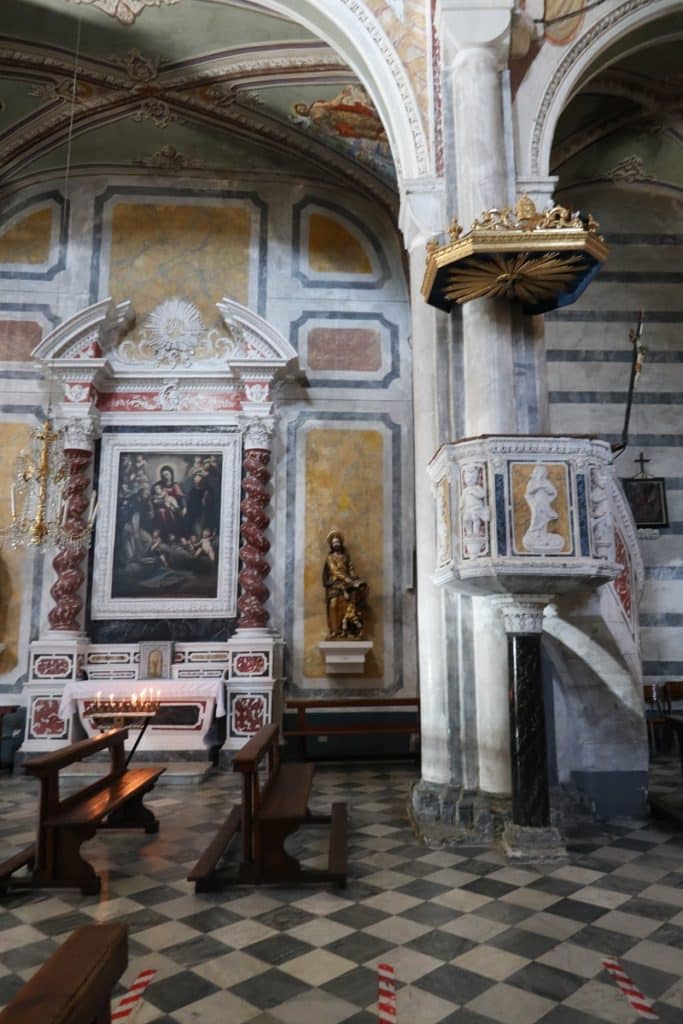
<point x="594" y="40"/>
<point x="356" y="35"/>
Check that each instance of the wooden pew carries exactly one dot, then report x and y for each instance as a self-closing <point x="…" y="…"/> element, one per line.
<point x="272" y="809"/>
<point x="75" y="985"/>
<point x="113" y="801"/>
<point x="406" y="723"/>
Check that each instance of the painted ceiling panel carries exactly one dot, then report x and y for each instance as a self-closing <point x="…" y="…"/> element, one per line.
<point x="186" y="29"/>
<point x="226" y="68"/>
<point x="185" y="147"/>
<point x="18" y="99"/>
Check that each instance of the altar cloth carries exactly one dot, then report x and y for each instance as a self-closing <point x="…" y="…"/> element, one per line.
<point x="171" y="689"/>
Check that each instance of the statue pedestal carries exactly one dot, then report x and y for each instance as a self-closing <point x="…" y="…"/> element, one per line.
<point x="344" y="657"/>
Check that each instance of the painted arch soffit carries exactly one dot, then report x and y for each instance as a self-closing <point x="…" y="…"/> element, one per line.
<point x="554" y="84"/>
<point x="104" y="341"/>
<point x="353" y="30"/>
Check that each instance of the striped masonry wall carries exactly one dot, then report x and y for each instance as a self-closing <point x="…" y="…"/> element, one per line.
<point x="589" y="362"/>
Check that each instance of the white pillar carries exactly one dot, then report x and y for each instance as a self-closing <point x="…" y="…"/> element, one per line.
<point x="475" y="46"/>
<point x="422" y="216"/>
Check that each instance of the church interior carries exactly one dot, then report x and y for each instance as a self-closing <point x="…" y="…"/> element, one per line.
<point x="340" y="427"/>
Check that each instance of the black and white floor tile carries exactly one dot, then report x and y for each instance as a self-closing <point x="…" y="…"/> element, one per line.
<point x="472" y="939"/>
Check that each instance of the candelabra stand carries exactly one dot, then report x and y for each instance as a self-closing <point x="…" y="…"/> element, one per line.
<point x="135" y="711"/>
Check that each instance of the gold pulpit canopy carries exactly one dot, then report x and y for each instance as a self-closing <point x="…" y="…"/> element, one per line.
<point x="541" y="260"/>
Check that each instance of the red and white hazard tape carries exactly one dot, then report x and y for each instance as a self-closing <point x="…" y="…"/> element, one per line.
<point x="129" y="1003"/>
<point x="387" y="994"/>
<point x="633" y="994"/>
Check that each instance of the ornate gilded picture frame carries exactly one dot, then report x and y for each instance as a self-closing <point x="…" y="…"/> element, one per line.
<point x="167" y="538"/>
<point x="647" y="498"/>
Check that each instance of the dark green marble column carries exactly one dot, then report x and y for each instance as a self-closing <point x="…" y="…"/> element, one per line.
<point x="530" y="804"/>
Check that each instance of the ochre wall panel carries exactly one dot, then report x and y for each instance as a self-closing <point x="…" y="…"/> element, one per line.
<point x="344" y="490"/>
<point x="194" y="252"/>
<point x="333" y="249"/>
<point x="13" y="437"/>
<point x="28" y="239"/>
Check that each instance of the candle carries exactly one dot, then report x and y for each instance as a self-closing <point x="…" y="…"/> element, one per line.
<point x="12" y="502"/>
<point x="98" y="695"/>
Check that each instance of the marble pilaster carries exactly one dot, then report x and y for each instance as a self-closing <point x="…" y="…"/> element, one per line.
<point x="422" y="216"/>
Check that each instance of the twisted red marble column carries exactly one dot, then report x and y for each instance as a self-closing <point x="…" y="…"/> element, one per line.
<point x="68" y="565"/>
<point x="255" y="546"/>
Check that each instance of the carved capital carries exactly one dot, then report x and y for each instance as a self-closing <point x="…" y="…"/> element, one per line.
<point x="522" y="615"/>
<point x="80" y="432"/>
<point x="258" y="433"/>
<point x="465" y="25"/>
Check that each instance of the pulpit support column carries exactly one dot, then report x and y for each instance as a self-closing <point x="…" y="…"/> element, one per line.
<point x="530" y="835"/>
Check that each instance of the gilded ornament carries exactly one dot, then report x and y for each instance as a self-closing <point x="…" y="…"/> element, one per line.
<point x="541" y="259"/>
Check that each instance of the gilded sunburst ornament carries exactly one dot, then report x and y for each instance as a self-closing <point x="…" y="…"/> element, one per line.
<point x="125" y="11"/>
<point x="516" y="276"/>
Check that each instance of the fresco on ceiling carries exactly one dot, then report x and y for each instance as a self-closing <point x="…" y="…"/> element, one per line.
<point x="561" y="27"/>
<point x="126" y="11"/>
<point x="406" y="26"/>
<point x="350" y="120"/>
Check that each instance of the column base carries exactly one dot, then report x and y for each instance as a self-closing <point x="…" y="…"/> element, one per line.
<point x="525" y="844"/>
<point x="444" y="815"/>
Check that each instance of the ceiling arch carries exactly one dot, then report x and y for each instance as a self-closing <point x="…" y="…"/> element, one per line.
<point x="601" y="40"/>
<point x="299" y="77"/>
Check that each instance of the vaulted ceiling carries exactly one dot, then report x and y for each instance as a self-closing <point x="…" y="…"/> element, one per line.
<point x="198" y="86"/>
<point x="625" y="122"/>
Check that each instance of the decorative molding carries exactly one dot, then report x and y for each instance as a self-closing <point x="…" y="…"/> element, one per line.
<point x="628" y="170"/>
<point x="125" y="11"/>
<point x="173" y="335"/>
<point x="522" y="615"/>
<point x="168" y="158"/>
<point x="258" y="434"/>
<point x="157" y="111"/>
<point x="391" y="59"/>
<point x="80" y="432"/>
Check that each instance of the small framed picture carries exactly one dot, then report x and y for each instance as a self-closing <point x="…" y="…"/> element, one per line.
<point x="647" y="498"/>
<point x="155" y="659"/>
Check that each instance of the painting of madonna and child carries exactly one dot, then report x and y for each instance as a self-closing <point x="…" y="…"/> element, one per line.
<point x="168" y="527"/>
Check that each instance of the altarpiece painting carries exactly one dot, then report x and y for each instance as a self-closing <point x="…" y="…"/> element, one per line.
<point x="168" y="534"/>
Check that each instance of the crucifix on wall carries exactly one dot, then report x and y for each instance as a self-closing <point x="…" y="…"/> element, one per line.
<point x="647" y="497"/>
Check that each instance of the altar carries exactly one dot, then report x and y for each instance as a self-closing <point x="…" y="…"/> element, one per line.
<point x="186" y="709"/>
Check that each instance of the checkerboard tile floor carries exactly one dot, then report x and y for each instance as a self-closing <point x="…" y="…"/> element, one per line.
<point x="473" y="940"/>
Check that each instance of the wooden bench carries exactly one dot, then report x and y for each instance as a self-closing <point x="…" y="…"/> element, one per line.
<point x="113" y="801"/>
<point x="353" y="725"/>
<point x="75" y="985"/>
<point x="272" y="809"/>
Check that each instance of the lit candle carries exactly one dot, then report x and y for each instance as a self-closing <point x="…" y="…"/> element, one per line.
<point x="135" y="700"/>
<point x="13" y="507"/>
<point x="111" y="701"/>
<point x="98" y="696"/>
